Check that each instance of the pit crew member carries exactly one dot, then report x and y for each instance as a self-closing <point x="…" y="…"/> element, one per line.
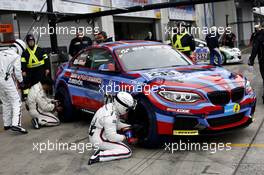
<point x="10" y="73"/>
<point x="41" y="108"/>
<point x="104" y="126"/>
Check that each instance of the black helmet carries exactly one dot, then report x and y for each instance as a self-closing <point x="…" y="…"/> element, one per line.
<point x="30" y="37"/>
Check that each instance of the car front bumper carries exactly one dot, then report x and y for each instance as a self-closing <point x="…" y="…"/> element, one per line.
<point x="234" y="59"/>
<point x="200" y="123"/>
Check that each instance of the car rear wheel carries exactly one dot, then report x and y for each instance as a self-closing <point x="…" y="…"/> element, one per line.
<point x="67" y="113"/>
<point x="216" y="60"/>
<point x="223" y="58"/>
<point x="144" y="123"/>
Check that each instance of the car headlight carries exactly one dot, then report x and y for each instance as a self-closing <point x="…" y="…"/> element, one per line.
<point x="180" y="97"/>
<point x="249" y="89"/>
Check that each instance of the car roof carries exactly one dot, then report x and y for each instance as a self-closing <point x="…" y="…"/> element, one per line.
<point x="127" y="43"/>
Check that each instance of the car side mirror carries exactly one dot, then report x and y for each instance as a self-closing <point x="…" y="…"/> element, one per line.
<point x="108" y="67"/>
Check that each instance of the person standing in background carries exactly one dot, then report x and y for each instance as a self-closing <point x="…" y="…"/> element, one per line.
<point x="212" y="40"/>
<point x="229" y="39"/>
<point x="79" y="42"/>
<point x="149" y="37"/>
<point x="258" y="50"/>
<point x="254" y="34"/>
<point x="182" y="40"/>
<point x="35" y="64"/>
<point x="101" y="37"/>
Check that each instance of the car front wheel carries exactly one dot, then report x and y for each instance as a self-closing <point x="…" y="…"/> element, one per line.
<point x="144" y="123"/>
<point x="62" y="95"/>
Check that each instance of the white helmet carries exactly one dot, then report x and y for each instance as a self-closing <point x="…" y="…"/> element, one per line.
<point x="257" y="26"/>
<point x="20" y="45"/>
<point x="124" y="102"/>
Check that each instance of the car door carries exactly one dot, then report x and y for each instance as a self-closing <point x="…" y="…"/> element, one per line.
<point x="112" y="79"/>
<point x="101" y="57"/>
<point x="83" y="85"/>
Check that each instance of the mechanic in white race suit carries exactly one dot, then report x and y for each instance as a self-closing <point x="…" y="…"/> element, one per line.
<point x="104" y="126"/>
<point x="10" y="74"/>
<point x="41" y="108"/>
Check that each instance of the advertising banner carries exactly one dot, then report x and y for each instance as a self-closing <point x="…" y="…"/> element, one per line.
<point x="78" y="6"/>
<point x="22" y="5"/>
<point x="6" y="28"/>
<point x="62" y="6"/>
<point x="130" y="3"/>
<point x="186" y="13"/>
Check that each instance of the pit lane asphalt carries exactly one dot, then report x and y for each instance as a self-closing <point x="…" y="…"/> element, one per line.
<point x="18" y="157"/>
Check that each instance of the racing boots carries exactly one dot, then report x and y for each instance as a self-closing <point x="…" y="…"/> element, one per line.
<point x="19" y="129"/>
<point x="7" y="128"/>
<point x="95" y="158"/>
<point x="35" y="123"/>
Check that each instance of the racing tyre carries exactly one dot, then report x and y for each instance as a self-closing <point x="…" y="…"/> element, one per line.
<point x="224" y="58"/>
<point x="216" y="60"/>
<point x="67" y="113"/>
<point x="144" y="124"/>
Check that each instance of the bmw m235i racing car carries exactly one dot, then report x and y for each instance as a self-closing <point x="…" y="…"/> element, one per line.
<point x="174" y="96"/>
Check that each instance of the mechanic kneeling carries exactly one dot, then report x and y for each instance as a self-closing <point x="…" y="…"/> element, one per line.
<point x="41" y="108"/>
<point x="104" y="126"/>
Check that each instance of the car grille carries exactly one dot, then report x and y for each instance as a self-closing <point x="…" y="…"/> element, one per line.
<point x="214" y="122"/>
<point x="185" y="123"/>
<point x="224" y="97"/>
<point x="219" y="97"/>
<point x="237" y="94"/>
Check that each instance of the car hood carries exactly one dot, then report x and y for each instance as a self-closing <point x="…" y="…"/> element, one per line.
<point x="230" y="51"/>
<point x="192" y="77"/>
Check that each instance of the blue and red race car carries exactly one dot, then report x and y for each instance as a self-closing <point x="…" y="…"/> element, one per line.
<point x="175" y="96"/>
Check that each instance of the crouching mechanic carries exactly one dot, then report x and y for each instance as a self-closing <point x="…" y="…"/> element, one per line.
<point x="104" y="126"/>
<point x="41" y="108"/>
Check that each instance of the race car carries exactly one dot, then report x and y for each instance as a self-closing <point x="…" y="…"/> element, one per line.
<point x="174" y="96"/>
<point x="229" y="55"/>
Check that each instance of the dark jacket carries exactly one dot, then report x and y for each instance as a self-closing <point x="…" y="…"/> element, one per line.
<point x="78" y="44"/>
<point x="212" y="41"/>
<point x="34" y="71"/>
<point x="229" y="40"/>
<point x="257" y="48"/>
<point x="40" y="54"/>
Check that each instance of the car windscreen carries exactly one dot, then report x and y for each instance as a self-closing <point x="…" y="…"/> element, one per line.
<point x="150" y="57"/>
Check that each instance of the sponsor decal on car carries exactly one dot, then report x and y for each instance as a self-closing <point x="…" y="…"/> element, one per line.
<point x="236" y="108"/>
<point x="186" y="132"/>
<point x="232" y="108"/>
<point x="76" y="82"/>
<point x="186" y="111"/>
<point x="161" y="74"/>
<point x="84" y="77"/>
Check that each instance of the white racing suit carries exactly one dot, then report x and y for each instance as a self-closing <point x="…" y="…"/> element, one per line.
<point x="10" y="72"/>
<point x="103" y="133"/>
<point x="41" y="107"/>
